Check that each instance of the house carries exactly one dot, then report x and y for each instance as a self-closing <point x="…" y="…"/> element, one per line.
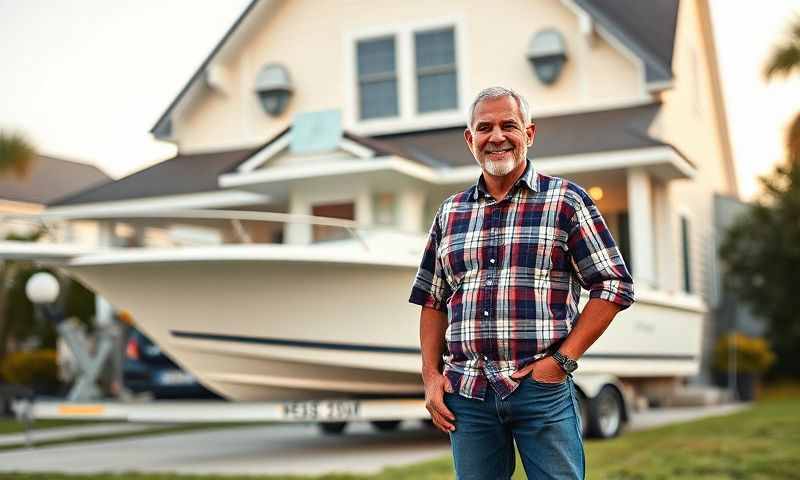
<point x="356" y="110"/>
<point x="48" y="179"/>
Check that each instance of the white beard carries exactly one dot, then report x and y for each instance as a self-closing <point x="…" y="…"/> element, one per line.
<point x="499" y="168"/>
<point x="503" y="167"/>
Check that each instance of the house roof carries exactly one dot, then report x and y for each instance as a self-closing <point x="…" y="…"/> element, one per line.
<point x="560" y="135"/>
<point x="182" y="174"/>
<point x="646" y="28"/>
<point x="587" y="132"/>
<point x="50" y="178"/>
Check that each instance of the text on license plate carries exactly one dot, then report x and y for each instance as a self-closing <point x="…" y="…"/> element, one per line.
<point x="322" y="410"/>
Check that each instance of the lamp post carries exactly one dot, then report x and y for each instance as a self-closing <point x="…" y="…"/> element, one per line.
<point x="42" y="290"/>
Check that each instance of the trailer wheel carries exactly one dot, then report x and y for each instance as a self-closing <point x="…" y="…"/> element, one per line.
<point x="385" y="425"/>
<point x="605" y="413"/>
<point x="332" y="428"/>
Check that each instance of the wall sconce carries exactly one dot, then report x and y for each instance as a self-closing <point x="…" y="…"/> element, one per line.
<point x="273" y="88"/>
<point x="547" y="53"/>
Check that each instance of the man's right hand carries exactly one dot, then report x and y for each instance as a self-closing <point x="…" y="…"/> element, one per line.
<point x="435" y="386"/>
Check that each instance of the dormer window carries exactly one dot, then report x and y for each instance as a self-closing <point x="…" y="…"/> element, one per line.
<point x="405" y="77"/>
<point x="377" y="78"/>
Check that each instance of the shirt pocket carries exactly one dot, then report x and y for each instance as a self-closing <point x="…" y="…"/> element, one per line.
<point x="459" y="253"/>
<point x="538" y="249"/>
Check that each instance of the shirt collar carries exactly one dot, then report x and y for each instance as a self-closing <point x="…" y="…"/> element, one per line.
<point x="529" y="178"/>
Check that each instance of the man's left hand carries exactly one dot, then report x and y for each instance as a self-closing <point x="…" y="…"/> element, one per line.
<point x="545" y="370"/>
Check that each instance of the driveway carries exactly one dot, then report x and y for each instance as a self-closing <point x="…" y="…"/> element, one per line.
<point x="275" y="449"/>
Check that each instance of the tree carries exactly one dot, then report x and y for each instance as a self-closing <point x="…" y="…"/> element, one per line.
<point x="761" y="257"/>
<point x="761" y="250"/>
<point x="785" y="61"/>
<point x="16" y="154"/>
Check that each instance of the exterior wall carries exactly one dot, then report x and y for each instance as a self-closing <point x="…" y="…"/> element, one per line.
<point x="690" y="121"/>
<point x="17" y="227"/>
<point x="317" y="46"/>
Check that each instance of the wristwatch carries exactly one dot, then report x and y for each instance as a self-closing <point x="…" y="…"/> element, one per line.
<point x="567" y="364"/>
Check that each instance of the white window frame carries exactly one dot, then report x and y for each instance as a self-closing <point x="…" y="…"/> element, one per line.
<point x="408" y="118"/>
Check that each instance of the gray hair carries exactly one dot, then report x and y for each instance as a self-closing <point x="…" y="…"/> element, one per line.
<point x="497" y="92"/>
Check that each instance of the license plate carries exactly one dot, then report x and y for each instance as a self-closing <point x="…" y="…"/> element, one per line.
<point x="176" y="377"/>
<point x="325" y="410"/>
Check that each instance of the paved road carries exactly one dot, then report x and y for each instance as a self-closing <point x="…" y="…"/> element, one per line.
<point x="291" y="449"/>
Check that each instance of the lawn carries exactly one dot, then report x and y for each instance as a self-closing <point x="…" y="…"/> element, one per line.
<point x="11" y="425"/>
<point x="760" y="443"/>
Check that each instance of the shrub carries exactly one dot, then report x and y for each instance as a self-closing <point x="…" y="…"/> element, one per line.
<point x="37" y="368"/>
<point x="753" y="355"/>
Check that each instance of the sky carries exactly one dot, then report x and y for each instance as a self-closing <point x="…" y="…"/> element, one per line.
<point x="85" y="80"/>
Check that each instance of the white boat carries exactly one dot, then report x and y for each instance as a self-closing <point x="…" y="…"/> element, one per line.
<point x="323" y="320"/>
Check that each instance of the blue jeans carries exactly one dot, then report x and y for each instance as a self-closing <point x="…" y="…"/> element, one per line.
<point x="543" y="420"/>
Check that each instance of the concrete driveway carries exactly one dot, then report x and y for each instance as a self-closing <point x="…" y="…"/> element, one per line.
<point x="276" y="449"/>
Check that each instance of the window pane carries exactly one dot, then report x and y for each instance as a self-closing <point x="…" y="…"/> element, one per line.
<point x="435" y="48"/>
<point x="377" y="83"/>
<point x="378" y="99"/>
<point x="322" y="233"/>
<point x="436" y="70"/>
<point x="376" y="56"/>
<point x="437" y="92"/>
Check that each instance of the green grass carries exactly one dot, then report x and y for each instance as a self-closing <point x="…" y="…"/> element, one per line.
<point x="11" y="425"/>
<point x="757" y="444"/>
<point x="156" y="430"/>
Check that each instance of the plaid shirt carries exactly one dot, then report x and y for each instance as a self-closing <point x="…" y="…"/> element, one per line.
<point x="509" y="273"/>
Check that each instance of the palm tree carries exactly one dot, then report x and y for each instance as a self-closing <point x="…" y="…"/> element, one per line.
<point x="16" y="154"/>
<point x="784" y="61"/>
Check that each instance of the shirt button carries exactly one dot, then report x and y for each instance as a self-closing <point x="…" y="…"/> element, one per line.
<point x="486" y="358"/>
<point x="486" y="313"/>
<point x="488" y="282"/>
<point x="491" y="260"/>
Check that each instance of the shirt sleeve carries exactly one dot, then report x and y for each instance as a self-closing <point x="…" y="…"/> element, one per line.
<point x="431" y="288"/>
<point x="595" y="257"/>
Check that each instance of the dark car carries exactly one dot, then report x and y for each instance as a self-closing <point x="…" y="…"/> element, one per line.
<point x="148" y="369"/>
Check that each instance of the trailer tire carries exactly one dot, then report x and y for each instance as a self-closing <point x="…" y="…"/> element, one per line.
<point x="332" y="428"/>
<point x="385" y="425"/>
<point x="605" y="412"/>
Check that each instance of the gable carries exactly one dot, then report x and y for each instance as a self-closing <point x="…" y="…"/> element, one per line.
<point x="230" y="114"/>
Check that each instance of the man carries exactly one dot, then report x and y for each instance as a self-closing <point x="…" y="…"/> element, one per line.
<point x="499" y="285"/>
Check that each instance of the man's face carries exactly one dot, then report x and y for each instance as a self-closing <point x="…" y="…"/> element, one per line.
<point x="499" y="139"/>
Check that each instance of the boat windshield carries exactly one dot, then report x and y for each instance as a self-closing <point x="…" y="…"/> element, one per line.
<point x="187" y="228"/>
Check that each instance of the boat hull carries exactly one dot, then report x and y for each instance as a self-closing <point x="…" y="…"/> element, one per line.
<point x="260" y="330"/>
<point x="256" y="325"/>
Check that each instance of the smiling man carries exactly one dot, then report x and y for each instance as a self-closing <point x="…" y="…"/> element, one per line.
<point x="499" y="285"/>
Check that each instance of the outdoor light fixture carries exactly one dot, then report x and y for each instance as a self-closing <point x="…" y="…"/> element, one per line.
<point x="42" y="288"/>
<point x="596" y="193"/>
<point x="273" y="88"/>
<point x="547" y="53"/>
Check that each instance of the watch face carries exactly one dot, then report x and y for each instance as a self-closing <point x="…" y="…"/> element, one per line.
<point x="570" y="365"/>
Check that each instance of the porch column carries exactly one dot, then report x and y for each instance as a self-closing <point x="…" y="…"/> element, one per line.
<point x="664" y="242"/>
<point x="411" y="207"/>
<point x="640" y="215"/>
<point x="297" y="233"/>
